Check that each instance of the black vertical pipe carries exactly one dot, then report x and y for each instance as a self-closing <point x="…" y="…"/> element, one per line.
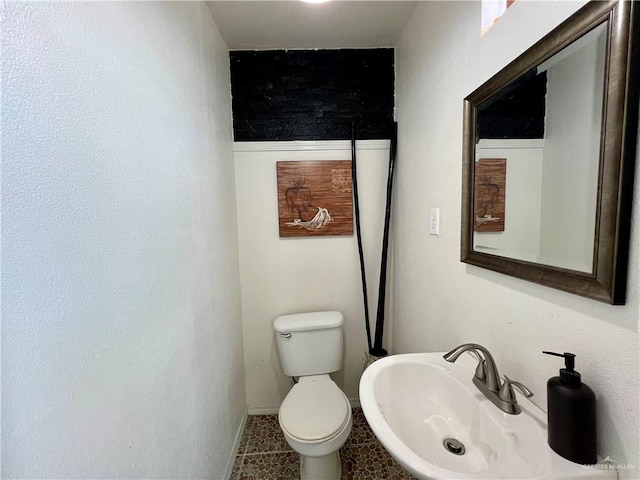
<point x="356" y="204"/>
<point x="377" y="345"/>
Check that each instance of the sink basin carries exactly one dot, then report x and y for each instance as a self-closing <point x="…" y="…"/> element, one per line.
<point x="435" y="422"/>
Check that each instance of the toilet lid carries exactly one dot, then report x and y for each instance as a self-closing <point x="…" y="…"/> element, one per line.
<point x="314" y="410"/>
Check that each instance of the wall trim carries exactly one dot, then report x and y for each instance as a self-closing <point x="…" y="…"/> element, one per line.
<point x="236" y="446"/>
<point x="264" y="409"/>
<point x="274" y="408"/>
<point x="309" y="145"/>
<point x="510" y="143"/>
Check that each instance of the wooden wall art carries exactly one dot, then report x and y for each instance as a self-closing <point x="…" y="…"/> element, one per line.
<point x="489" y="194"/>
<point x="315" y="198"/>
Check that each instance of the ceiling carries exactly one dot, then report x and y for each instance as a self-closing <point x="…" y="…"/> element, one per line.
<point x="291" y="24"/>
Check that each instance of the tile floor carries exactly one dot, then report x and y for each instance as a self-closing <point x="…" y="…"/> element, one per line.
<point x="264" y="454"/>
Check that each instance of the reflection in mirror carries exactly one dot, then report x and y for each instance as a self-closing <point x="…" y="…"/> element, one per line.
<point x="546" y="126"/>
<point x="549" y="148"/>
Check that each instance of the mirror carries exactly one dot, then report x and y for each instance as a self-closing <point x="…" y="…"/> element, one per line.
<point x="549" y="155"/>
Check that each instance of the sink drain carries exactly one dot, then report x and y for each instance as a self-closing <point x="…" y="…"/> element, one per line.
<point x="454" y="446"/>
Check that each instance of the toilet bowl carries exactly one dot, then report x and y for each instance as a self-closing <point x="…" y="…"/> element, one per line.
<point x="315" y="418"/>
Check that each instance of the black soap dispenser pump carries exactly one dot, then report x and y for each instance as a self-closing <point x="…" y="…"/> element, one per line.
<point x="571" y="407"/>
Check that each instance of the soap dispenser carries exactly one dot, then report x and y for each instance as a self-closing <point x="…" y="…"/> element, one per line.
<point x="571" y="407"/>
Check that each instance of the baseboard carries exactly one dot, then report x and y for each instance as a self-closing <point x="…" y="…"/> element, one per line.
<point x="275" y="408"/>
<point x="264" y="409"/>
<point x="236" y="446"/>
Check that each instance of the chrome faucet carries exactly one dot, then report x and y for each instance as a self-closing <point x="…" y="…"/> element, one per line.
<point x="487" y="378"/>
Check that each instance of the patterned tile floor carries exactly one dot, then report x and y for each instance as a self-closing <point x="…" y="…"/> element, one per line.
<point x="264" y="454"/>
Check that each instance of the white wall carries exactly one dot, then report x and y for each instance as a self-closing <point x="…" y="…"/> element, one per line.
<point x="571" y="155"/>
<point x="121" y="338"/>
<point x="439" y="302"/>
<point x="289" y="275"/>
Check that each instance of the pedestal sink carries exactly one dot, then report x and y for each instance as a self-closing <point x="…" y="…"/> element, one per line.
<point x="434" y="421"/>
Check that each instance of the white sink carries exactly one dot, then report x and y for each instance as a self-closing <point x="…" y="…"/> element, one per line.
<point x="414" y="402"/>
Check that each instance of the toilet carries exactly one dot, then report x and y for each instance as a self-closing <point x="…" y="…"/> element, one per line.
<point x="315" y="416"/>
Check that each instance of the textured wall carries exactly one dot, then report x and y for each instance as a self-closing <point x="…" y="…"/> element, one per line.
<point x="312" y="94"/>
<point x="121" y="337"/>
<point x="518" y="112"/>
<point x="440" y="302"/>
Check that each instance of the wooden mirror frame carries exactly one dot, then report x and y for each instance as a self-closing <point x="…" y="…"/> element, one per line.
<point x="608" y="279"/>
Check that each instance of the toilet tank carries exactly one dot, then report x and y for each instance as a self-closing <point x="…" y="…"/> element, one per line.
<point x="309" y="343"/>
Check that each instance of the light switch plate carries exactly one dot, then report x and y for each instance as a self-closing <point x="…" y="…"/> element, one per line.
<point x="434" y="221"/>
